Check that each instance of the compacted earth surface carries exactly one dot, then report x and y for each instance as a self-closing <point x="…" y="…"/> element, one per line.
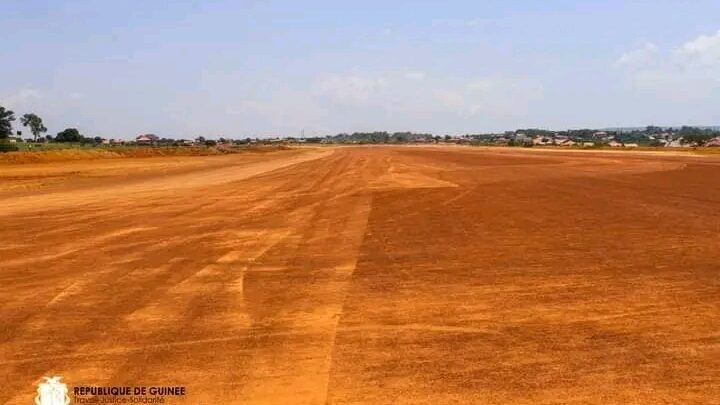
<point x="366" y="275"/>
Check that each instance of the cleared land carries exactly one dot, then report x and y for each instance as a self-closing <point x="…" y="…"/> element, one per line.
<point x="367" y="275"/>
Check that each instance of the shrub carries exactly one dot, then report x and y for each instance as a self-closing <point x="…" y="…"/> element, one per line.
<point x="7" y="147"/>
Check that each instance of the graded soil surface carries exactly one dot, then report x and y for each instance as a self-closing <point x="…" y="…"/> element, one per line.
<point x="380" y="275"/>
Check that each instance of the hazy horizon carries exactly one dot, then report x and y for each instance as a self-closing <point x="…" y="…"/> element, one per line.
<point x="255" y="68"/>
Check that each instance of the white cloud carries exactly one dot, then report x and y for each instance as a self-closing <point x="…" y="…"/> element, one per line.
<point x="23" y="98"/>
<point x="501" y="96"/>
<point x="638" y="57"/>
<point x="458" y="22"/>
<point x="417" y="76"/>
<point x="449" y="99"/>
<point x="350" y="89"/>
<point x="688" y="72"/>
<point x="279" y="111"/>
<point x="405" y="100"/>
<point x="288" y="110"/>
<point x="704" y="49"/>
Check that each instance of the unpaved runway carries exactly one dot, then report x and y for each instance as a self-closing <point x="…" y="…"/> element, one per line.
<point x="366" y="275"/>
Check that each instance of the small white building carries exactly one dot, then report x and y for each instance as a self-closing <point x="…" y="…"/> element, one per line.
<point x="677" y="143"/>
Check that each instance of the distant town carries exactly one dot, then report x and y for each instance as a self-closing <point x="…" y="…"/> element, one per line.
<point x="649" y="137"/>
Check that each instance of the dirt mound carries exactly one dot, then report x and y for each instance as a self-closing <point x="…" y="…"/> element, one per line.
<point x="71" y="154"/>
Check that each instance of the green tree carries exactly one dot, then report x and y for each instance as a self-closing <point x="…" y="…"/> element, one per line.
<point x="35" y="124"/>
<point x="69" y="135"/>
<point x="652" y="130"/>
<point x="698" y="139"/>
<point x="694" y="135"/>
<point x="6" y="119"/>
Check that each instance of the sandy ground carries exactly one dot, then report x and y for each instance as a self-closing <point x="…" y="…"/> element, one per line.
<point x="366" y="275"/>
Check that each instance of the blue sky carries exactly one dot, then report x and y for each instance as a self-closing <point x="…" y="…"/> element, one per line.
<point x="265" y="68"/>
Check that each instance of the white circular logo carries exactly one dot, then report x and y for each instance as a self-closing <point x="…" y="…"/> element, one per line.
<point x="52" y="392"/>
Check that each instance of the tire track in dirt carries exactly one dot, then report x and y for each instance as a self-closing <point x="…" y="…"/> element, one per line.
<point x="161" y="267"/>
<point x="554" y="287"/>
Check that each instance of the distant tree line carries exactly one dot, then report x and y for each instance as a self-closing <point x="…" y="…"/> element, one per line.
<point x="380" y="137"/>
<point x="649" y="136"/>
<point x="37" y="128"/>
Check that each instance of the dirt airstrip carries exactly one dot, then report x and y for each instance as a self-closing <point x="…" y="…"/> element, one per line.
<point x="366" y="275"/>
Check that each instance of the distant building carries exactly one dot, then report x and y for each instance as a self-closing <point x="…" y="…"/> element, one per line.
<point x="146" y="139"/>
<point x="714" y="142"/>
<point x="677" y="143"/>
